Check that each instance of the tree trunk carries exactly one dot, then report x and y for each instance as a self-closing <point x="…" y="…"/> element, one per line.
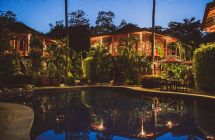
<point x="67" y="39"/>
<point x="153" y="34"/>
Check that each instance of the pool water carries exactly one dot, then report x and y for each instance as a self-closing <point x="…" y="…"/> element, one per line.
<point x="104" y="114"/>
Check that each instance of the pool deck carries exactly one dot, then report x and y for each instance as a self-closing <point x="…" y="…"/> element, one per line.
<point x="16" y="120"/>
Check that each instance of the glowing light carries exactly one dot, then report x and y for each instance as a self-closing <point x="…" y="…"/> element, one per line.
<point x="210" y="138"/>
<point x="101" y="126"/>
<point x="142" y="133"/>
<point x="169" y="124"/>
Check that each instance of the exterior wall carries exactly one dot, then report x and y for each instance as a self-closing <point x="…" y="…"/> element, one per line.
<point x="21" y="43"/>
<point x="143" y="46"/>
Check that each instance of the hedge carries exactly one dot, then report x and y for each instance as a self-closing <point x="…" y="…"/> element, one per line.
<point x="204" y="67"/>
<point x="150" y="81"/>
<point x="16" y="80"/>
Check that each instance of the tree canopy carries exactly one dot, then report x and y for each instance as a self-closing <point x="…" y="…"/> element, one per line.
<point x="188" y="32"/>
<point x="104" y="22"/>
<point x="78" y="18"/>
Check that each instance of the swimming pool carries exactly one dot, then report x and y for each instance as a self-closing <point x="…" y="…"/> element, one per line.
<point x="113" y="114"/>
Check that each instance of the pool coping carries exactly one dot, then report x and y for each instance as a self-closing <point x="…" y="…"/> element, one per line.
<point x="16" y="122"/>
<point x="140" y="89"/>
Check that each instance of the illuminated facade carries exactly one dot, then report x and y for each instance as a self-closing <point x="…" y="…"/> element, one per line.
<point x="209" y="18"/>
<point x="143" y="46"/>
<point x="21" y="38"/>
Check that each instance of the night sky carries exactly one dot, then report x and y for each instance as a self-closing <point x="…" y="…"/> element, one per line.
<point x="39" y="13"/>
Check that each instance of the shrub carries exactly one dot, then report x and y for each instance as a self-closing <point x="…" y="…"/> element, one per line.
<point x="150" y="81"/>
<point x="204" y="67"/>
<point x="16" y="80"/>
<point x="89" y="69"/>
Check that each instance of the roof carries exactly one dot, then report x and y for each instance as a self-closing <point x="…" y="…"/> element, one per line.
<point x="171" y="59"/>
<point x="208" y="19"/>
<point x="19" y="27"/>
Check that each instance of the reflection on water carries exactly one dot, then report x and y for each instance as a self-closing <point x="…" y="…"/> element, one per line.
<point x="109" y="115"/>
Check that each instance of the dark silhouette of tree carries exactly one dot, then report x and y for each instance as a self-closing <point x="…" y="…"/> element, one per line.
<point x="79" y="37"/>
<point x="58" y="30"/>
<point x="159" y="29"/>
<point x="209" y="38"/>
<point x="79" y="32"/>
<point x="7" y="16"/>
<point x="104" y="22"/>
<point x="36" y="53"/>
<point x="189" y="33"/>
<point x="78" y="18"/>
<point x="122" y="24"/>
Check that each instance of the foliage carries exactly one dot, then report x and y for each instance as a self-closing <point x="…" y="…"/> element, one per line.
<point x="7" y="16"/>
<point x="79" y="38"/>
<point x="160" y="51"/>
<point x="204" y="67"/>
<point x="78" y="18"/>
<point x="17" y="80"/>
<point x="10" y="66"/>
<point x="36" y="53"/>
<point x="189" y="33"/>
<point x="129" y="64"/>
<point x="76" y="62"/>
<point x="171" y="71"/>
<point x="150" y="81"/>
<point x="104" y="22"/>
<point x="178" y="46"/>
<point x="89" y="69"/>
<point x="122" y="24"/>
<point x="5" y="37"/>
<point x="57" y="30"/>
<point x="56" y="62"/>
<point x="102" y="64"/>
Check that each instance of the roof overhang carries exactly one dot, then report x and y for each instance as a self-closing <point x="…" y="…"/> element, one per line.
<point x="209" y="18"/>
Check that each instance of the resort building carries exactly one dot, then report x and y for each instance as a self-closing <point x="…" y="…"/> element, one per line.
<point x="164" y="44"/>
<point x="209" y="18"/>
<point x="21" y="37"/>
<point x="143" y="46"/>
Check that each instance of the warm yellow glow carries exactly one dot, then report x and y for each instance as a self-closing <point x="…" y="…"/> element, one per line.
<point x="169" y="124"/>
<point x="101" y="126"/>
<point x="142" y="133"/>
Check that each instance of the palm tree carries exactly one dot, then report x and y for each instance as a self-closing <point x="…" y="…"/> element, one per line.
<point x="153" y="32"/>
<point x="67" y="38"/>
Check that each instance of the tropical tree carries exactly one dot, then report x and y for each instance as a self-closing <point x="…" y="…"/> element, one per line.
<point x="79" y="32"/>
<point x="153" y="31"/>
<point x="129" y="63"/>
<point x="9" y="60"/>
<point x="36" y="53"/>
<point x="101" y="66"/>
<point x="5" y="37"/>
<point x="122" y="24"/>
<point x="78" y="18"/>
<point x="104" y="22"/>
<point x="57" y="63"/>
<point x="189" y="33"/>
<point x="57" y="30"/>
